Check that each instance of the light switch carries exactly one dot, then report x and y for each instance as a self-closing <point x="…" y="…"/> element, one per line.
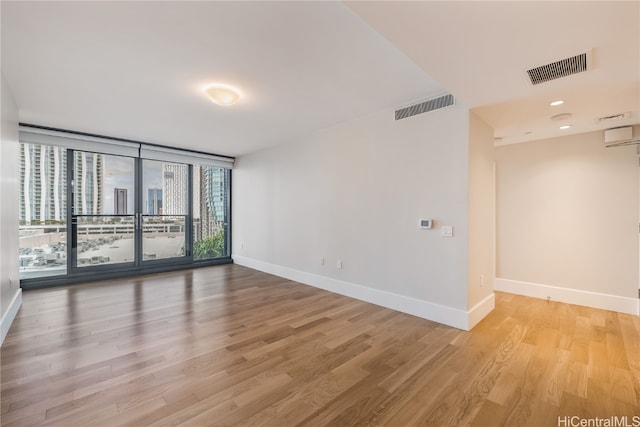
<point x="446" y="231"/>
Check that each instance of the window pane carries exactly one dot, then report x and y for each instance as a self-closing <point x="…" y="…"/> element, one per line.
<point x="43" y="213"/>
<point x="164" y="188"/>
<point x="209" y="212"/>
<point x="162" y="237"/>
<point x="105" y="240"/>
<point x="103" y="184"/>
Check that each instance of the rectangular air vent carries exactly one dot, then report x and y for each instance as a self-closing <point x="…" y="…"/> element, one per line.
<point x="618" y="134"/>
<point x="562" y="68"/>
<point x="614" y="117"/>
<point x="423" y="107"/>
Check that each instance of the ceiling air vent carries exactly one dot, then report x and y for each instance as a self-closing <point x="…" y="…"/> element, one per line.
<point x="426" y="106"/>
<point x="614" y="117"/>
<point x="563" y="68"/>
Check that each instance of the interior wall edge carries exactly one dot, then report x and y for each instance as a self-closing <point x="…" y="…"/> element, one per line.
<point x="9" y="173"/>
<point x="10" y="315"/>
<point x="481" y="310"/>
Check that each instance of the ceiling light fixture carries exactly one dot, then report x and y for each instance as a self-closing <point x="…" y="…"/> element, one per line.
<point x="561" y="116"/>
<point x="563" y="127"/>
<point x="556" y="103"/>
<point x="224" y="95"/>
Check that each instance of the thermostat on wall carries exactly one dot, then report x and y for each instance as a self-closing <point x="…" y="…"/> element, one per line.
<point x="425" y="223"/>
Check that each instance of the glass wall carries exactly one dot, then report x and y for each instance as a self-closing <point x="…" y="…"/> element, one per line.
<point x="43" y="211"/>
<point x="210" y="212"/>
<point x="103" y="208"/>
<point x="85" y="213"/>
<point x="166" y="188"/>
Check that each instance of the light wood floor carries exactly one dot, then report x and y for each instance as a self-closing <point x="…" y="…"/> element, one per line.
<point x="231" y="346"/>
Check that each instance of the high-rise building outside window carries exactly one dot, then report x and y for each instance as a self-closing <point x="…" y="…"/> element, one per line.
<point x="43" y="170"/>
<point x="174" y="184"/>
<point x="88" y="183"/>
<point x="43" y="213"/>
<point x="210" y="210"/>
<point x="120" y="201"/>
<point x="105" y="208"/>
<point x="154" y="201"/>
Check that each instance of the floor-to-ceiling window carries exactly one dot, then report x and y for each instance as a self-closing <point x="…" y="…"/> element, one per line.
<point x="43" y="211"/>
<point x="92" y="207"/>
<point x="210" y="212"/>
<point x="103" y="209"/>
<point x="165" y="213"/>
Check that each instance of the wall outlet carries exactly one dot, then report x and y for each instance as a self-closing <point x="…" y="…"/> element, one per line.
<point x="482" y="280"/>
<point x="321" y="261"/>
<point x="339" y="264"/>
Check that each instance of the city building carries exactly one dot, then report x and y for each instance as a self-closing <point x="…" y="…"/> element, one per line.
<point x="88" y="183"/>
<point x="120" y="201"/>
<point x="154" y="201"/>
<point x="210" y="201"/>
<point x="43" y="177"/>
<point x="174" y="188"/>
<point x="43" y="170"/>
<point x="215" y="192"/>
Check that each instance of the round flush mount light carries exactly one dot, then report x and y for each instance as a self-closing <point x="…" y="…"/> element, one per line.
<point x="563" y="127"/>
<point x="556" y="103"/>
<point x="222" y="94"/>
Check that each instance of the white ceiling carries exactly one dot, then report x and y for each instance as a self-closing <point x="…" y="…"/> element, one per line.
<point x="135" y="70"/>
<point x="480" y="51"/>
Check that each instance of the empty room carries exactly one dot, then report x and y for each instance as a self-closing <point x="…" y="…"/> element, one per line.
<point x="308" y="213"/>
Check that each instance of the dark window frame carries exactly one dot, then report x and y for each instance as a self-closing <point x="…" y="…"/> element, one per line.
<point x="75" y="275"/>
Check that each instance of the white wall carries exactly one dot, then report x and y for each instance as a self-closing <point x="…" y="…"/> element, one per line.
<point x="355" y="192"/>
<point x="568" y="221"/>
<point x="481" y="213"/>
<point x="10" y="292"/>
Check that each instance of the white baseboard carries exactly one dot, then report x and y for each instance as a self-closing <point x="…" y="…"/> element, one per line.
<point x="10" y="314"/>
<point x="450" y="316"/>
<point x="569" y="296"/>
<point x="480" y="310"/>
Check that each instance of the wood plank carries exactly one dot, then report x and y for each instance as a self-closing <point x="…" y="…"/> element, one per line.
<point x="231" y="346"/>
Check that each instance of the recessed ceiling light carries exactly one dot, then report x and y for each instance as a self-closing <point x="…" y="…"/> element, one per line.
<point x="556" y="103"/>
<point x="563" y="127"/>
<point x="221" y="94"/>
